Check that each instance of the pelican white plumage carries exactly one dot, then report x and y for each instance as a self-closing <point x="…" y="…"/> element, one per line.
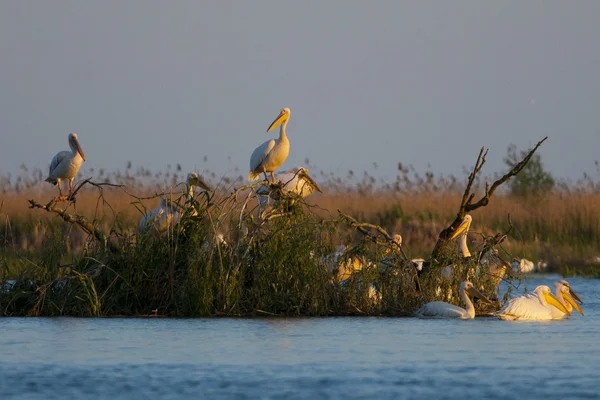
<point x="497" y="266"/>
<point x="168" y="214"/>
<point x="441" y="309"/>
<point x="532" y="306"/>
<point x="65" y="164"/>
<point x="295" y="181"/>
<point x="566" y="296"/>
<point x="271" y="154"/>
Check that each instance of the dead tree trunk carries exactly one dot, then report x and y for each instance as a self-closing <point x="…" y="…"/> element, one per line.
<point x="467" y="204"/>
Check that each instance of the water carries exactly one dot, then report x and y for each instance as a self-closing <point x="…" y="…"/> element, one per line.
<point x="62" y="358"/>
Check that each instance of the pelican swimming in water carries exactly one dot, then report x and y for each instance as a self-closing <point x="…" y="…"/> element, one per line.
<point x="566" y="296"/>
<point x="168" y="214"/>
<point x="295" y="181"/>
<point x="271" y="154"/>
<point x="65" y="164"/>
<point x="441" y="309"/>
<point x="533" y="306"/>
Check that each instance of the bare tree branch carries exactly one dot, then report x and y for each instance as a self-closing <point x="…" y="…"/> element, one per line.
<point x="467" y="204"/>
<point x="366" y="229"/>
<point x="79" y="220"/>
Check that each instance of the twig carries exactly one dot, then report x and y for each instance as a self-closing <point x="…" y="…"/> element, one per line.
<point x="467" y="204"/>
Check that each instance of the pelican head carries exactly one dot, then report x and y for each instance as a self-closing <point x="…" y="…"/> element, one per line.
<point x="303" y="173"/>
<point x="546" y="296"/>
<point x="468" y="288"/>
<point x="74" y="145"/>
<point x="284" y="115"/>
<point x="193" y="179"/>
<point x="463" y="227"/>
<point x="568" y="294"/>
<point x="571" y="291"/>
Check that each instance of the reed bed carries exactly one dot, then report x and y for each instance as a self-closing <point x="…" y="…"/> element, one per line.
<point x="277" y="266"/>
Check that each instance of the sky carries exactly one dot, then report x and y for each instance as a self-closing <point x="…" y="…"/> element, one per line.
<point x="422" y="82"/>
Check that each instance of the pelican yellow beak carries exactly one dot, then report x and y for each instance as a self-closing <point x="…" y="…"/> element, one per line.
<point x="571" y="301"/>
<point x="280" y="118"/>
<point x="572" y="293"/>
<point x="461" y="228"/>
<point x="474" y="292"/>
<point x="550" y="299"/>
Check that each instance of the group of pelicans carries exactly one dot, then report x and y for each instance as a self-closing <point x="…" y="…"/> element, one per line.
<point x="540" y="304"/>
<point x="266" y="158"/>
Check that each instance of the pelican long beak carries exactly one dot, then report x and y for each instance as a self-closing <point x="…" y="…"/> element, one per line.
<point x="575" y="295"/>
<point x="461" y="229"/>
<point x="200" y="183"/>
<point x="474" y="292"/>
<point x="79" y="149"/>
<point x="280" y="118"/>
<point x="572" y="302"/>
<point x="310" y="181"/>
<point x="550" y="299"/>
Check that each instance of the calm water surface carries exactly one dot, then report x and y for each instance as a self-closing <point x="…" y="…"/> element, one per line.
<point x="63" y="358"/>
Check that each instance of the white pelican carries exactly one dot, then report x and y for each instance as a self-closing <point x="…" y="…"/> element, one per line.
<point x="523" y="266"/>
<point x="341" y="268"/>
<point x="296" y="181"/>
<point x="168" y="214"/>
<point x="566" y="296"/>
<point x="441" y="309"/>
<point x="271" y="154"/>
<point x="532" y="306"/>
<point x="66" y="164"/>
<point x="497" y="266"/>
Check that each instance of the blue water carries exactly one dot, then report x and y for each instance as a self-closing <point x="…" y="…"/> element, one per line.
<point x="64" y="358"/>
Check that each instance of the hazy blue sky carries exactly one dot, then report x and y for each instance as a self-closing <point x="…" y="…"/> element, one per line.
<point x="159" y="82"/>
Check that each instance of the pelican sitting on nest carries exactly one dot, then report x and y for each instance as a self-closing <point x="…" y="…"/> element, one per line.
<point x="532" y="306"/>
<point x="441" y="309"/>
<point x="295" y="181"/>
<point x="271" y="154"/>
<point x="66" y="164"/>
<point x="168" y="214"/>
<point x="566" y="296"/>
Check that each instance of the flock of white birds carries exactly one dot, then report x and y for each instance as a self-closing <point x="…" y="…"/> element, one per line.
<point x="540" y="304"/>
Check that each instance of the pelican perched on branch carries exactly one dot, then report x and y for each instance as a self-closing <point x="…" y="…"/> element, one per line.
<point x="533" y="306"/>
<point x="271" y="154"/>
<point x="497" y="266"/>
<point x="441" y="309"/>
<point x="566" y="296"/>
<point x="295" y="181"/>
<point x="65" y="164"/>
<point x="168" y="214"/>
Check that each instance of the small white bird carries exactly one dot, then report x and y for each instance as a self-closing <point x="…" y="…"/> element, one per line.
<point x="533" y="306"/>
<point x="296" y="181"/>
<point x="441" y="309"/>
<point x="66" y="164"/>
<point x="271" y="154"/>
<point x="167" y="214"/>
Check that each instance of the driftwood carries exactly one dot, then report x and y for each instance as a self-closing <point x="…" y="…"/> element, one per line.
<point x="467" y="204"/>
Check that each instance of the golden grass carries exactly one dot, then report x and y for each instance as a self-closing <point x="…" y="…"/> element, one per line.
<point x="559" y="228"/>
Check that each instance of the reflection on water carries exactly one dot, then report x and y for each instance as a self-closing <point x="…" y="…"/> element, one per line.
<point x="43" y="358"/>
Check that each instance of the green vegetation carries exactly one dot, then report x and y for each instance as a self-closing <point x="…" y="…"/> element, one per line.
<point x="281" y="264"/>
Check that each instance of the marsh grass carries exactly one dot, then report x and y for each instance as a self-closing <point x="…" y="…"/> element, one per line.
<point x="279" y="265"/>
